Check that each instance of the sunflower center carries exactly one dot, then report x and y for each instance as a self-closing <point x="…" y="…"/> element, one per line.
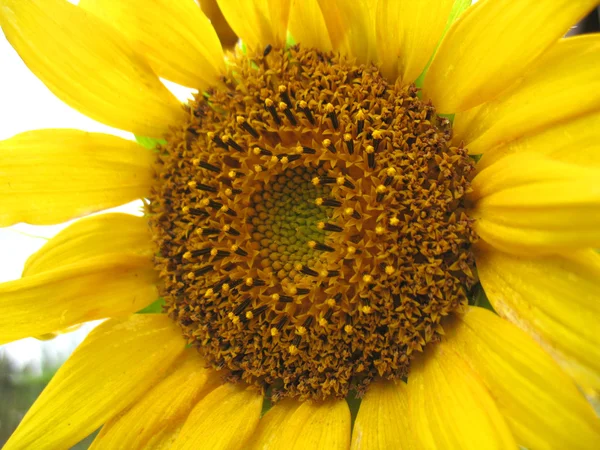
<point x="285" y="221"/>
<point x="310" y="223"/>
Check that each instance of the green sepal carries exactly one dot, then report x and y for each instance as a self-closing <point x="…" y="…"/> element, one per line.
<point x="153" y="308"/>
<point x="149" y="143"/>
<point x="354" y="405"/>
<point x="476" y="158"/>
<point x="480" y="298"/>
<point x="266" y="406"/>
<point x="457" y="9"/>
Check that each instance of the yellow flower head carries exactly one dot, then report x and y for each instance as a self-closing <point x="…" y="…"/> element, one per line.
<point x="322" y="220"/>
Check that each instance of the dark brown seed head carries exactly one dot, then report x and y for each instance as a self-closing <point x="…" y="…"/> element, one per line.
<point x="310" y="223"/>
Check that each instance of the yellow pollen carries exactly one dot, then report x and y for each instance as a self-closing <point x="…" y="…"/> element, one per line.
<point x="366" y="309"/>
<point x="380" y="189"/>
<point x="274" y="331"/>
<point x="379" y="229"/>
<point x="370" y="149"/>
<point x="300" y="331"/>
<point x="293" y="349"/>
<point x="331" y="302"/>
<point x="192" y="184"/>
<point x="349" y="329"/>
<point x="323" y="321"/>
<point x="389" y="270"/>
<point x="347" y="137"/>
<point x="249" y="315"/>
<point x="394" y="221"/>
<point x="367" y="278"/>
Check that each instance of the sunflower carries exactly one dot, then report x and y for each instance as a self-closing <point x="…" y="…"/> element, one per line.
<point x="323" y="222"/>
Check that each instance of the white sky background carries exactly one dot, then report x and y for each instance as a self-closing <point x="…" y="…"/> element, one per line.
<point x="26" y="104"/>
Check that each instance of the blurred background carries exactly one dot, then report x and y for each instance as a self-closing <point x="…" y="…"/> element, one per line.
<point x="27" y="365"/>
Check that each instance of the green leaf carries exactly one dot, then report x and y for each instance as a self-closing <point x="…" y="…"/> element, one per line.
<point x="149" y="143"/>
<point x="153" y="308"/>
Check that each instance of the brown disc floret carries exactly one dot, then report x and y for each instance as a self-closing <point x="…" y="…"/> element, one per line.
<point x="310" y="223"/>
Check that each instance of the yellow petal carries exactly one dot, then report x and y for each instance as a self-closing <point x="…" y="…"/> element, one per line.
<point x="576" y="141"/>
<point x="492" y="44"/>
<point x="555" y="299"/>
<point x="563" y="84"/>
<point x="89" y="65"/>
<point x="112" y="368"/>
<point x="307" y="25"/>
<point x="90" y="237"/>
<point x="51" y="176"/>
<point x="226" y="35"/>
<point x="524" y="169"/>
<point x="162" y="410"/>
<point x="268" y="432"/>
<point x="541" y="404"/>
<point x="547" y="206"/>
<point x="224" y="419"/>
<point x="382" y="420"/>
<point x="318" y="425"/>
<point x="450" y="408"/>
<point x="258" y="22"/>
<point x="351" y="27"/>
<point x="176" y="37"/>
<point x="104" y="286"/>
<point x="408" y="33"/>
